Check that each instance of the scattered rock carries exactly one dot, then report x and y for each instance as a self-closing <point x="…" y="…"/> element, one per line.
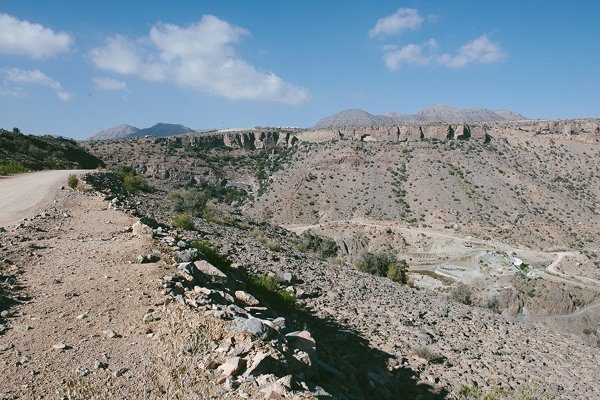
<point x="111" y="334"/>
<point x="302" y="340"/>
<point x="120" y="372"/>
<point x="187" y="255"/>
<point x="207" y="268"/>
<point x="251" y="325"/>
<point x="246" y="297"/>
<point x="231" y="367"/>
<point x="141" y="230"/>
<point x="6" y="347"/>
<point x="60" y="346"/>
<point x="261" y="363"/>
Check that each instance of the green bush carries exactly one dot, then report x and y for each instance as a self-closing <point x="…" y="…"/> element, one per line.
<point x="397" y="273"/>
<point x="384" y="264"/>
<point x="132" y="182"/>
<point x="226" y="194"/>
<point x="183" y="221"/>
<point x="12" y="168"/>
<point x="124" y="170"/>
<point x="322" y="247"/>
<point x="212" y="255"/>
<point x="190" y="201"/>
<point x="376" y="263"/>
<point x="268" y="288"/>
<point x="72" y="181"/>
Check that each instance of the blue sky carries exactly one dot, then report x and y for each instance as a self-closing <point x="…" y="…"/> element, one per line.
<point x="75" y="67"/>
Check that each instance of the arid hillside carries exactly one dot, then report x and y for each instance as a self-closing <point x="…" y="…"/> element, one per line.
<point x="523" y="186"/>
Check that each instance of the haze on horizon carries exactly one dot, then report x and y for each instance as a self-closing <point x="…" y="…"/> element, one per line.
<point x="73" y="69"/>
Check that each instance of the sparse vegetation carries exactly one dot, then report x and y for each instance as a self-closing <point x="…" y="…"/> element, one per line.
<point x="72" y="181"/>
<point x="322" y="247"/>
<point x="211" y="254"/>
<point x="462" y="293"/>
<point x="521" y="393"/>
<point x="183" y="221"/>
<point x="428" y="355"/>
<point x="131" y="181"/>
<point x="19" y="153"/>
<point x="12" y="168"/>
<point x="189" y="201"/>
<point x="268" y="288"/>
<point x="384" y="264"/>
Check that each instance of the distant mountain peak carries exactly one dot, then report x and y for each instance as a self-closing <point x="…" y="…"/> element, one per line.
<point x="438" y="112"/>
<point x="124" y="131"/>
<point x="120" y="131"/>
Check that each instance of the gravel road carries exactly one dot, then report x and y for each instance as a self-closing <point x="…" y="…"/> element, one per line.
<point x="23" y="193"/>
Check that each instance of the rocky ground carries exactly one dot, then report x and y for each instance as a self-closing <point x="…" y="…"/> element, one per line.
<point x="104" y="299"/>
<point x="360" y="336"/>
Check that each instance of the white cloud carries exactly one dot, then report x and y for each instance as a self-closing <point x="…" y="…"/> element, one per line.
<point x="23" y="38"/>
<point x="481" y="50"/>
<point x="104" y="83"/>
<point x="402" y="20"/>
<point x="411" y="54"/>
<point x="200" y="56"/>
<point x="16" y="76"/>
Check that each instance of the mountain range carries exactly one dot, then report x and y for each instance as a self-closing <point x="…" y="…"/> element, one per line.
<point x="439" y="113"/>
<point x="125" y="131"/>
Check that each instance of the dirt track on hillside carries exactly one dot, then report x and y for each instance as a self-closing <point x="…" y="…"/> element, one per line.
<point x="22" y="194"/>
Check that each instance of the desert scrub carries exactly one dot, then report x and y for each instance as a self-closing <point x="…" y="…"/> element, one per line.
<point x="190" y="201"/>
<point x="211" y="254"/>
<point x="131" y="181"/>
<point x="384" y="264"/>
<point x="522" y="392"/>
<point x="322" y="247"/>
<point x="134" y="183"/>
<point x="269" y="289"/>
<point x="12" y="168"/>
<point x="183" y="221"/>
<point x="397" y="273"/>
<point x="262" y="238"/>
<point x="72" y="181"/>
<point x="428" y="355"/>
<point x="462" y="293"/>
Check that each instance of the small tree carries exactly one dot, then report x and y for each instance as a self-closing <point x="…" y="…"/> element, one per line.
<point x="398" y="272"/>
<point x="376" y="263"/>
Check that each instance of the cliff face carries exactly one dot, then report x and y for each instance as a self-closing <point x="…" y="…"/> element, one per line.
<point x="587" y="130"/>
<point x="248" y="140"/>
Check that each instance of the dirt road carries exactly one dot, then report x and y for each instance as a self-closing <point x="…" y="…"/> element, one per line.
<point x="23" y="193"/>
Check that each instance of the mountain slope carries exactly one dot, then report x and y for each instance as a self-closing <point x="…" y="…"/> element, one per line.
<point x="163" y="129"/>
<point x="125" y="131"/>
<point x="121" y="131"/>
<point x="355" y="117"/>
<point x="44" y="152"/>
<point x="437" y="113"/>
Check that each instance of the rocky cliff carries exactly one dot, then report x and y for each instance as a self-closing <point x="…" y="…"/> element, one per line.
<point x="584" y="130"/>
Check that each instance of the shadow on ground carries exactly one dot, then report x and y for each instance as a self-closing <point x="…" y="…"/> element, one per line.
<point x="350" y="367"/>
